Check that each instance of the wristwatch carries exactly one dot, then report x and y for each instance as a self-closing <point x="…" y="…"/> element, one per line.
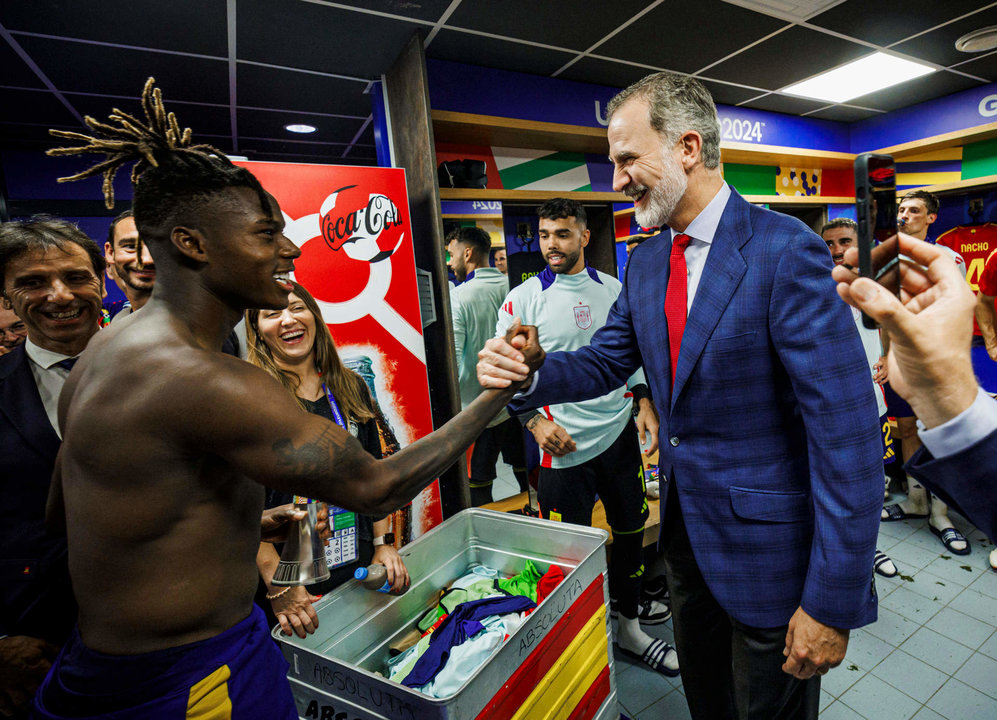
<point x="386" y="539"/>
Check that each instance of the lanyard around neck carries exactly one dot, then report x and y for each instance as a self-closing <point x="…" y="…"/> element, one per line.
<point x="337" y="415"/>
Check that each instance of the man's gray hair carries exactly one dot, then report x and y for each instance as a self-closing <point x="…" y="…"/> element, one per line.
<point x="677" y="104"/>
<point x="41" y="233"/>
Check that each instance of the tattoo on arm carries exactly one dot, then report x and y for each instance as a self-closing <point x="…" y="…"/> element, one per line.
<point x="314" y="458"/>
<point x="378" y="486"/>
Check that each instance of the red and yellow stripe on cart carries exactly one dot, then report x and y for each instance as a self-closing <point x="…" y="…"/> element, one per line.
<point x="567" y="676"/>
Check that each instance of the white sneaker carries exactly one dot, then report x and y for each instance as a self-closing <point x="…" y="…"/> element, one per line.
<point x="649" y="612"/>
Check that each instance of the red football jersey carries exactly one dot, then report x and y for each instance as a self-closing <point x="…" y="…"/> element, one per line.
<point x="988" y="278"/>
<point x="975" y="243"/>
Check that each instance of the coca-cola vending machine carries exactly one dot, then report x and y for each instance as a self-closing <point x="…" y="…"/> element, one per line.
<point x="357" y="259"/>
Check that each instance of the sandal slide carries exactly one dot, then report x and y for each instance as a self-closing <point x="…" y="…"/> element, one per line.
<point x="883" y="565"/>
<point x="654" y="657"/>
<point x="895" y="513"/>
<point x="949" y="536"/>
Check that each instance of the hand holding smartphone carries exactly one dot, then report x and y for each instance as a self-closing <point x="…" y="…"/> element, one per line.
<point x="876" y="210"/>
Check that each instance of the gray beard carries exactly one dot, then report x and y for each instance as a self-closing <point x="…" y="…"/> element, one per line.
<point x="664" y="198"/>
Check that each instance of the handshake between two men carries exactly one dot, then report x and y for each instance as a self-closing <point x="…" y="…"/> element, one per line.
<point x="929" y="327"/>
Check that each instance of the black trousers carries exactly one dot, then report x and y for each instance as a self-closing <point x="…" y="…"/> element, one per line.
<point x="507" y="438"/>
<point x="730" y="671"/>
<point x="616" y="476"/>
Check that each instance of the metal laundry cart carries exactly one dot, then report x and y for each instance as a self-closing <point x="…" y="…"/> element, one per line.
<point x="556" y="666"/>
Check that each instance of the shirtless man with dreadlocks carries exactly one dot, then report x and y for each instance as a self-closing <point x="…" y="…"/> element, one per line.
<point x="161" y="486"/>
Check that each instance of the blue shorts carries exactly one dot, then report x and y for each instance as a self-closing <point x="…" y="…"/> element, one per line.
<point x="889" y="449"/>
<point x="237" y="674"/>
<point x="896" y="406"/>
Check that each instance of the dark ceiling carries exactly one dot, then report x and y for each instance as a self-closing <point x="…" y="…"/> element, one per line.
<point x="237" y="71"/>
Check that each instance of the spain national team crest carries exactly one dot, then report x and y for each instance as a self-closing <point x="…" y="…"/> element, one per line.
<point x="583" y="316"/>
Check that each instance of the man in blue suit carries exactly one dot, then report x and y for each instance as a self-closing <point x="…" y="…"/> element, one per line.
<point x="50" y="276"/>
<point x="770" y="517"/>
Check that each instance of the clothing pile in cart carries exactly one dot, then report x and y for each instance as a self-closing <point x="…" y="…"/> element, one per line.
<point x="473" y="618"/>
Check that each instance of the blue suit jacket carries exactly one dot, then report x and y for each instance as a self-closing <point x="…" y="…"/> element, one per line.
<point x="966" y="480"/>
<point x="771" y="434"/>
<point x="35" y="594"/>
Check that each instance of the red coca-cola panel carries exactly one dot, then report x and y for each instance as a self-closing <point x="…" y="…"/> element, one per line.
<point x="352" y="225"/>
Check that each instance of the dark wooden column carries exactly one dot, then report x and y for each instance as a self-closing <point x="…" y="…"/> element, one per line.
<point x="406" y="93"/>
<point x="601" y="250"/>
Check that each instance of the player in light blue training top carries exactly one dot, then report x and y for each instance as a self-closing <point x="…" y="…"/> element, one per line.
<point x="473" y="305"/>
<point x="591" y="447"/>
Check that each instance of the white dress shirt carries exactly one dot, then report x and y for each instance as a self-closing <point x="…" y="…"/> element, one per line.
<point x="964" y="430"/>
<point x="702" y="231"/>
<point x="49" y="378"/>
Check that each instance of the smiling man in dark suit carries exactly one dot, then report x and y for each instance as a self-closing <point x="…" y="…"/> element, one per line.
<point x="770" y="515"/>
<point x="12" y="330"/>
<point x="50" y="275"/>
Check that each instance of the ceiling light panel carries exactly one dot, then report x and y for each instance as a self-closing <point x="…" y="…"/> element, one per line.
<point x="859" y="77"/>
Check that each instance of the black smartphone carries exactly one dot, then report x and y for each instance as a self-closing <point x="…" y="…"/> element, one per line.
<point x="876" y="210"/>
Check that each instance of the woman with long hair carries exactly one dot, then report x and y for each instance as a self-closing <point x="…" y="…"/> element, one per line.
<point x="295" y="346"/>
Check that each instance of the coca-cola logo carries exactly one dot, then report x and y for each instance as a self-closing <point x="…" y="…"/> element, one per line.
<point x="351" y="225"/>
<point x="356" y="228"/>
<point x="345" y="244"/>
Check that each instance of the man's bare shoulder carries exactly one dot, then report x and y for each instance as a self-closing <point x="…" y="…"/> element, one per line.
<point x="147" y="371"/>
<point x="197" y="375"/>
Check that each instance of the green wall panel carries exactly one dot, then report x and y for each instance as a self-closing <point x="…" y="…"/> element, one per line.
<point x="979" y="159"/>
<point x="751" y="179"/>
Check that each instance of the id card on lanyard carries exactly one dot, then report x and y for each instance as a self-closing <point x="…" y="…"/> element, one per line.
<point x="341" y="548"/>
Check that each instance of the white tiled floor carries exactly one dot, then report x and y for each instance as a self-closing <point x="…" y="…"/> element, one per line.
<point x="932" y="653"/>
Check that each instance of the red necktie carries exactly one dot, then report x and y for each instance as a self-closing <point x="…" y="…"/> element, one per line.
<point x="676" y="298"/>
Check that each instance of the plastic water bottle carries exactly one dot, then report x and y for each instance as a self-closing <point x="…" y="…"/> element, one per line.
<point x="375" y="577"/>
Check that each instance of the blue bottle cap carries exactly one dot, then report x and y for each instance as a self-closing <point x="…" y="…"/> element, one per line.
<point x="360" y="573"/>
